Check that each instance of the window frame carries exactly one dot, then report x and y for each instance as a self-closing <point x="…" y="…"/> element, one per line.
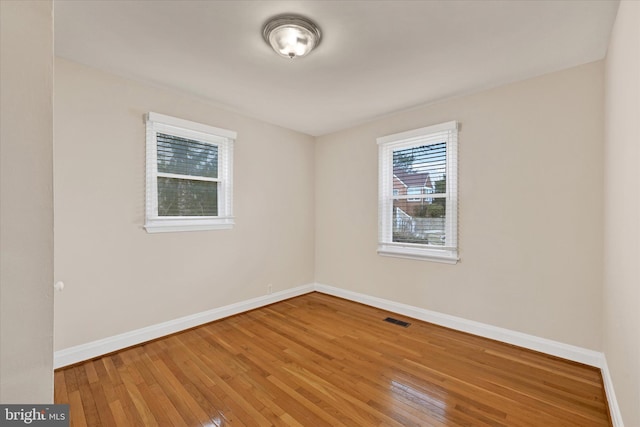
<point x="222" y="138"/>
<point x="416" y="138"/>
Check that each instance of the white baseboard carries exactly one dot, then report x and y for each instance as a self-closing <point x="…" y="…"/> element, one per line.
<point x="97" y="348"/>
<point x="532" y="342"/>
<point x="555" y="348"/>
<point x="79" y="353"/>
<point x="614" y="409"/>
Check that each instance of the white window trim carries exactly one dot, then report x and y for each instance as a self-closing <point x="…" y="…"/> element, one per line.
<point x="224" y="139"/>
<point x="386" y="145"/>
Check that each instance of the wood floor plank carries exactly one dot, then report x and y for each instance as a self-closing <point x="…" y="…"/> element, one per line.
<point x="102" y="405"/>
<point x="119" y="415"/>
<point x="317" y="360"/>
<point x="89" y="406"/>
<point x="60" y="387"/>
<point x="76" y="416"/>
<point x="143" y="411"/>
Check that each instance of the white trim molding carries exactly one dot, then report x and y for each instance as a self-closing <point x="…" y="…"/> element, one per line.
<point x="531" y="342"/>
<point x="441" y="165"/>
<point x="554" y="348"/>
<point x="96" y="348"/>
<point x="220" y="141"/>
<point x="82" y="352"/>
<point x="614" y="409"/>
<point x="100" y="347"/>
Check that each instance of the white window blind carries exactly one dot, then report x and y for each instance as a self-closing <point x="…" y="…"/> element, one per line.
<point x="189" y="175"/>
<point x="418" y="195"/>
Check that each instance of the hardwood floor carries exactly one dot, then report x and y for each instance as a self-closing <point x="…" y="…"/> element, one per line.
<point x="317" y="360"/>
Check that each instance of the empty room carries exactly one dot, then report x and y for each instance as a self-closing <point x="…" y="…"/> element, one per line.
<point x="320" y="213"/>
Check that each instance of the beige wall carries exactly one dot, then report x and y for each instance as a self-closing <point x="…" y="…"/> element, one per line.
<point x="118" y="277"/>
<point x="622" y="211"/>
<point x="531" y="187"/>
<point x="26" y="202"/>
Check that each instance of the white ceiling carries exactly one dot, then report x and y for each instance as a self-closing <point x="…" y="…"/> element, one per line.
<point x="375" y="58"/>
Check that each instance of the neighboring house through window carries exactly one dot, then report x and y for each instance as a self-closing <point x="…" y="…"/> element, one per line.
<point x="413" y="191"/>
<point x="189" y="175"/>
<point x="418" y="193"/>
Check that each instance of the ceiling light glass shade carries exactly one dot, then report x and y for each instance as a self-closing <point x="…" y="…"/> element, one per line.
<point x="291" y="36"/>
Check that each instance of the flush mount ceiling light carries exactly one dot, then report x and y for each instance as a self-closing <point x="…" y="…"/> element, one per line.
<point x="291" y="36"/>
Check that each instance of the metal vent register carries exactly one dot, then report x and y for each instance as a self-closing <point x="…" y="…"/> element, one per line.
<point x="397" y="322"/>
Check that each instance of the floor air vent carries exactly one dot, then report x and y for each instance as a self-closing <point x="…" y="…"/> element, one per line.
<point x="397" y="322"/>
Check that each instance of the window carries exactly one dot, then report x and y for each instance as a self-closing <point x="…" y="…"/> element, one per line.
<point x="414" y="225"/>
<point x="189" y="175"/>
<point x="412" y="191"/>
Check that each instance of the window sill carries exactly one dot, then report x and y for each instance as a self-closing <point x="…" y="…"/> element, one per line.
<point x="422" y="254"/>
<point x="179" y="225"/>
